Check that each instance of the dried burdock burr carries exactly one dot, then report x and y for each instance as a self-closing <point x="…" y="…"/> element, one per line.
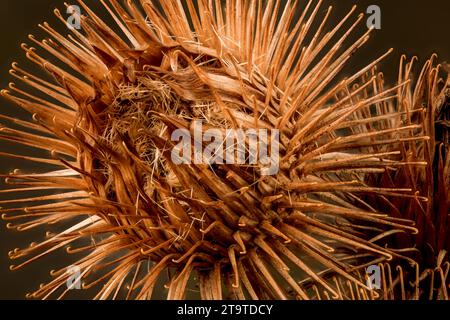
<point x="215" y="230"/>
<point x="426" y="102"/>
<point x="424" y="271"/>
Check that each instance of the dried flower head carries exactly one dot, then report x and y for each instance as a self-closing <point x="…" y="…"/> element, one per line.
<point x="219" y="230"/>
<point x="424" y="273"/>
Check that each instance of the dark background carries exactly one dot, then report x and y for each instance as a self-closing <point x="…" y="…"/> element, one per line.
<point x="411" y="27"/>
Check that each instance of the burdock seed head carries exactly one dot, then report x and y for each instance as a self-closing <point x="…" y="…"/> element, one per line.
<point x="424" y="271"/>
<point x="217" y="230"/>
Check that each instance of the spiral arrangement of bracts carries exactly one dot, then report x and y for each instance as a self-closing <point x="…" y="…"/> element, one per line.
<point x="216" y="231"/>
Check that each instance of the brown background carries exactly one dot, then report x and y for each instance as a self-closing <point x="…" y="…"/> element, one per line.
<point x="411" y="27"/>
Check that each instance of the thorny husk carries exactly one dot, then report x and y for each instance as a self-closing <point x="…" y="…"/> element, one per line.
<point x="360" y="181"/>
